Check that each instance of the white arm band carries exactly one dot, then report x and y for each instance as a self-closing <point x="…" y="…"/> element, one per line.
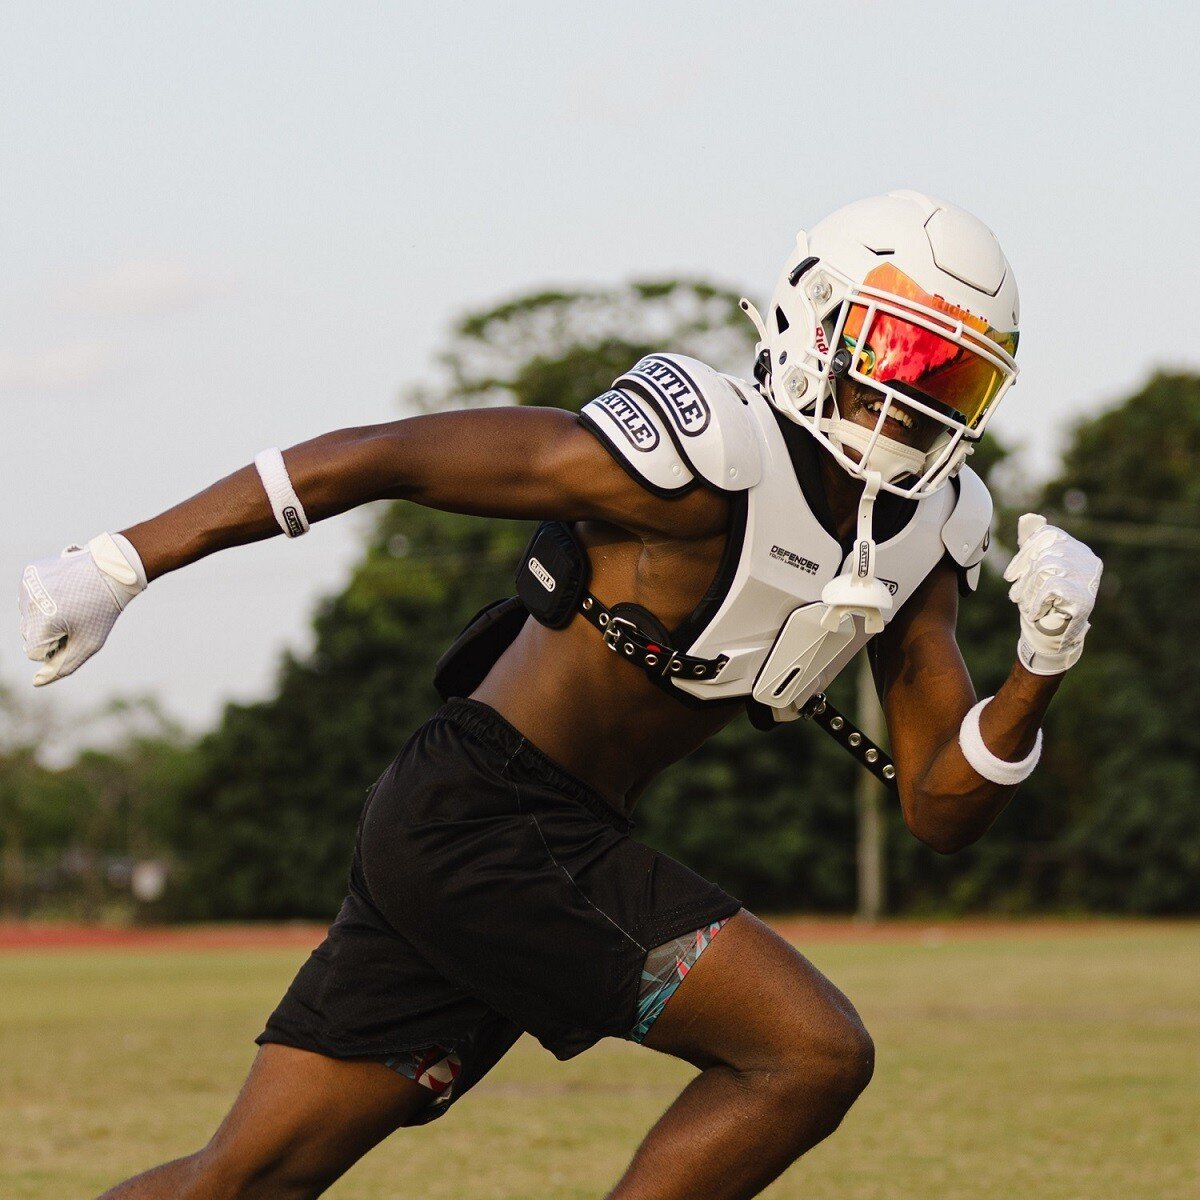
<point x="984" y="762"/>
<point x="289" y="512"/>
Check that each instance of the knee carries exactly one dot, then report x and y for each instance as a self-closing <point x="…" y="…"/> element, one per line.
<point x="829" y="1067"/>
<point x="849" y="1057"/>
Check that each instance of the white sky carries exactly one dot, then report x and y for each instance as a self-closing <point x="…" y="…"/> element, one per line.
<point x="227" y="226"/>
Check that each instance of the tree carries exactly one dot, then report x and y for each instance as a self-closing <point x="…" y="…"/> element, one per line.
<point x="558" y="349"/>
<point x="267" y="827"/>
<point x="69" y="834"/>
<point x="28" y="812"/>
<point x="1123" y="752"/>
<point x="1110" y="820"/>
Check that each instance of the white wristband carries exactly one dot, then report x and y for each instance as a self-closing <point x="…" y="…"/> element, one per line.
<point x="289" y="512"/>
<point x="115" y="556"/>
<point x="984" y="762"/>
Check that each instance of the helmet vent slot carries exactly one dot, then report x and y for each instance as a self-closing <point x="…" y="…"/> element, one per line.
<point x="797" y="272"/>
<point x="781" y="321"/>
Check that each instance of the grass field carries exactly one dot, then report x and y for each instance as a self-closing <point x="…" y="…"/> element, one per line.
<point x="1057" y="1063"/>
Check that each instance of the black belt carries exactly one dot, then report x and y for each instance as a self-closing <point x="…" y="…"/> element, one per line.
<point x="843" y="730"/>
<point x="659" y="660"/>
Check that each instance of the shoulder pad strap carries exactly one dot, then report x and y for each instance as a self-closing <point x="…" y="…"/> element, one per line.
<point x="708" y="418"/>
<point x="967" y="530"/>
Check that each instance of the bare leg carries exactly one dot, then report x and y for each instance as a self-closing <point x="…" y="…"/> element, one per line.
<point x="300" y="1121"/>
<point x="782" y="1056"/>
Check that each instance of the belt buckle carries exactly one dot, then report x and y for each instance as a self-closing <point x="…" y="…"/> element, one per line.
<point x="616" y="630"/>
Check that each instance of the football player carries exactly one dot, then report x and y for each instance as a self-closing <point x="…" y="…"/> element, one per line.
<point x="708" y="545"/>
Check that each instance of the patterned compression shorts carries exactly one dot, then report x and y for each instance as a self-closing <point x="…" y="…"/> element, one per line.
<point x="436" y="1067"/>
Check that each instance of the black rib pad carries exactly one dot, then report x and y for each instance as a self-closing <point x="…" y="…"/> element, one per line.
<point x="553" y="574"/>
<point x="472" y="654"/>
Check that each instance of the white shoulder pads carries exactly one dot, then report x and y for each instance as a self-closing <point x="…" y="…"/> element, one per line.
<point x="671" y="419"/>
<point x="708" y="418"/>
<point x="637" y="437"/>
<point x="967" y="530"/>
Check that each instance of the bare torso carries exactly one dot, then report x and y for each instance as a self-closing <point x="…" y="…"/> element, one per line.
<point x="595" y="714"/>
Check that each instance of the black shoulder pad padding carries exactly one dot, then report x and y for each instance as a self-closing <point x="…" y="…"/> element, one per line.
<point x="553" y="574"/>
<point x="475" y="651"/>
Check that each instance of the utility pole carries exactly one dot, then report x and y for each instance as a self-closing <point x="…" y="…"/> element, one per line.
<point x="869" y="798"/>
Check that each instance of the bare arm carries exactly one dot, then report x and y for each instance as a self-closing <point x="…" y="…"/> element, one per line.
<point x="503" y="462"/>
<point x="926" y="692"/>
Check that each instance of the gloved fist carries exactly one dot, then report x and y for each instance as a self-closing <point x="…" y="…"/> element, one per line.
<point x="70" y="603"/>
<point x="1054" y="580"/>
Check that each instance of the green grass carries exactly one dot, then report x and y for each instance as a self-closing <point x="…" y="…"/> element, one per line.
<point x="1058" y="1066"/>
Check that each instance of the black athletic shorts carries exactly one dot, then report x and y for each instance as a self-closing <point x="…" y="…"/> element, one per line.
<point x="491" y="893"/>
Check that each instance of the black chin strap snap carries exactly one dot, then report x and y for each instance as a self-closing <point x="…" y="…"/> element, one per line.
<point x="762" y="367"/>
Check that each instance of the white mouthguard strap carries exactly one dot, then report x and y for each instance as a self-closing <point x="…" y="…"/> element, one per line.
<point x="285" y="504"/>
<point x="984" y="762"/>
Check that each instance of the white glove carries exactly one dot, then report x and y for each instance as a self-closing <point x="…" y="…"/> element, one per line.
<point x="70" y="603"/>
<point x="1054" y="581"/>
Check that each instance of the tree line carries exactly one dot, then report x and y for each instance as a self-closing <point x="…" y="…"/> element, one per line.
<point x="257" y="817"/>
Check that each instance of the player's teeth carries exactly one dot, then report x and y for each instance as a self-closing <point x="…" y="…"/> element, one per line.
<point x="896" y="413"/>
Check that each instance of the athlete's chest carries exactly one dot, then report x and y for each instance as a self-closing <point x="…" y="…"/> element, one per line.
<point x="668" y="577"/>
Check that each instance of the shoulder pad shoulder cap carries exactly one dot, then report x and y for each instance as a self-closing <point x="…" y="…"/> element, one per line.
<point x="636" y="435"/>
<point x="706" y="415"/>
<point x="967" y="530"/>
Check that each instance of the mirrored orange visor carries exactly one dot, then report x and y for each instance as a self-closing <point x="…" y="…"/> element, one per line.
<point x="952" y="377"/>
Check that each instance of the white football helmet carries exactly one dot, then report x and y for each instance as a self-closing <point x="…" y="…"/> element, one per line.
<point x="913" y="301"/>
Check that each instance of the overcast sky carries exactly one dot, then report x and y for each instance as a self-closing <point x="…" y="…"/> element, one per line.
<point x="229" y="226"/>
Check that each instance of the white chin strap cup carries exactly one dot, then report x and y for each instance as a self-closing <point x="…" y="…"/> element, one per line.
<point x="285" y="504"/>
<point x="984" y="762"/>
<point x="892" y="459"/>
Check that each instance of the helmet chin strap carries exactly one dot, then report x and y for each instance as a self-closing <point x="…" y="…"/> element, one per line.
<point x="859" y="592"/>
<point x="890" y="458"/>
